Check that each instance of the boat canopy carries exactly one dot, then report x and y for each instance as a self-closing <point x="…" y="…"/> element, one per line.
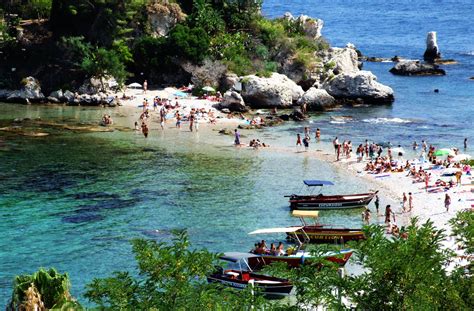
<point x="318" y="183"/>
<point x="237" y="256"/>
<point x="304" y="213"/>
<point x="276" y="230"/>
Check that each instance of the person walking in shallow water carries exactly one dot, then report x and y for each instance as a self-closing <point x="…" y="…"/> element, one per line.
<point x="404" y="202"/>
<point x="377" y="203"/>
<point x="298" y="140"/>
<point x="237" y="137"/>
<point x="465" y="143"/>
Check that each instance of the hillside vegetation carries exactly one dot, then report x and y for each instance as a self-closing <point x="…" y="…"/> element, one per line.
<point x="63" y="42"/>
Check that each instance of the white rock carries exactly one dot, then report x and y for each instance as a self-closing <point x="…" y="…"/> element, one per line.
<point x="233" y="101"/>
<point x="317" y="99"/>
<point x="432" y="50"/>
<point x="275" y="91"/>
<point x="345" y="60"/>
<point x="359" y="85"/>
<point x="31" y="90"/>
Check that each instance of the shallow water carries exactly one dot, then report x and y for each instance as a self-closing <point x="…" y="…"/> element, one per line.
<point x="74" y="200"/>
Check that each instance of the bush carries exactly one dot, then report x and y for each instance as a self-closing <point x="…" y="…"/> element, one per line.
<point x="189" y="43"/>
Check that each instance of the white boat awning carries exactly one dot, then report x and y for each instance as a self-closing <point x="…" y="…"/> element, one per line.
<point x="276" y="230"/>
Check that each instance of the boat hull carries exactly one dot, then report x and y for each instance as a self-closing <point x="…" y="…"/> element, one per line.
<point x="319" y="234"/>
<point x="267" y="285"/>
<point x="258" y="262"/>
<point x="323" y="202"/>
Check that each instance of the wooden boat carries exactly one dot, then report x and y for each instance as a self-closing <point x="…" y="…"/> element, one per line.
<point x="294" y="256"/>
<point x="318" y="233"/>
<point x="244" y="277"/>
<point x="325" y="202"/>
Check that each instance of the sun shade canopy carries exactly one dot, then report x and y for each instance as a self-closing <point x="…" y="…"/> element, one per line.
<point x="314" y="183"/>
<point x="237" y="256"/>
<point x="298" y="213"/>
<point x="276" y="230"/>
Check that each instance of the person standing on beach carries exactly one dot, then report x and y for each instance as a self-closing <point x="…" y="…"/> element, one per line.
<point x="388" y="212"/>
<point x="237" y="137"/>
<point x="427" y="180"/>
<point x="178" y="120"/>
<point x="335" y="143"/>
<point x="191" y="121"/>
<point x="458" y="178"/>
<point x="366" y="149"/>
<point x="366" y="216"/>
<point x="404" y="202"/>
<point x="410" y="201"/>
<point x="145" y="86"/>
<point x="447" y="202"/>
<point x="465" y="143"/>
<point x="377" y="203"/>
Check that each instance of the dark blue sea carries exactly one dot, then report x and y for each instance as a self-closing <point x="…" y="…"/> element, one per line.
<point x="74" y="200"/>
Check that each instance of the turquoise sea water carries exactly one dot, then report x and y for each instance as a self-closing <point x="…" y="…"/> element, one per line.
<point x="74" y="200"/>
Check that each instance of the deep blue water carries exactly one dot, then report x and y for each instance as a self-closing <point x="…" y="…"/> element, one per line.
<point x="74" y="201"/>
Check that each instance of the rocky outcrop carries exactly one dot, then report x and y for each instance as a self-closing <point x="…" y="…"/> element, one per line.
<point x="30" y="92"/>
<point x="163" y="16"/>
<point x="297" y="114"/>
<point x="360" y="86"/>
<point x="317" y="99"/>
<point x="232" y="101"/>
<point x="229" y="81"/>
<point x="311" y="26"/>
<point x="342" y="60"/>
<point x="276" y="91"/>
<point x="95" y="85"/>
<point x="416" y="68"/>
<point x="432" y="51"/>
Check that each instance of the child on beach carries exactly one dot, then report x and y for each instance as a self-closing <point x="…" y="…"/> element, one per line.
<point x="447" y="202"/>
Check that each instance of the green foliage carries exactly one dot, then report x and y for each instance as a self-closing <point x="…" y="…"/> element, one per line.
<point x="270" y="32"/>
<point x="206" y="17"/>
<point x="463" y="230"/>
<point x="97" y="61"/>
<point x="171" y="277"/>
<point x="51" y="285"/>
<point x="27" y="9"/>
<point x="189" y="43"/>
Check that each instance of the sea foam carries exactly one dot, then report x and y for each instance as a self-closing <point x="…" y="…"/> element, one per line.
<point x="386" y="120"/>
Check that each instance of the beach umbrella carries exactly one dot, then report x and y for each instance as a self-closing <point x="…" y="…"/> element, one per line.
<point x="134" y="85"/>
<point x="208" y="89"/>
<point x="461" y="157"/>
<point x="443" y="152"/>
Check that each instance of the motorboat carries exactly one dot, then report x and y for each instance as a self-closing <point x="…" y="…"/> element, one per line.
<point x="244" y="277"/>
<point x="319" y="201"/>
<point x="319" y="233"/>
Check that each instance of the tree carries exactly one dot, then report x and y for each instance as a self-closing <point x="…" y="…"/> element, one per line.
<point x="189" y="43"/>
<point x="408" y="272"/>
<point x="171" y="277"/>
<point x="42" y="289"/>
<point x="96" y="61"/>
